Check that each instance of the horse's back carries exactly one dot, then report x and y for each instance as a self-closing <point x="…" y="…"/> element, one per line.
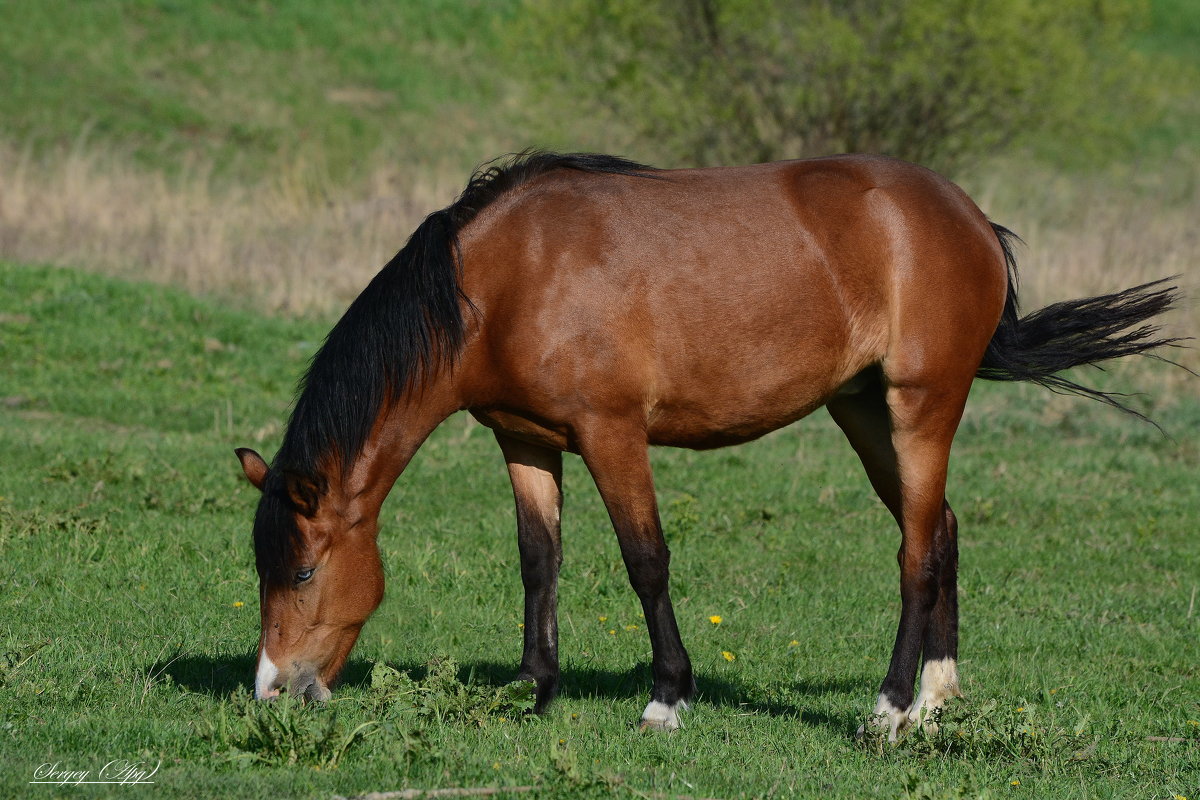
<point x="721" y="303"/>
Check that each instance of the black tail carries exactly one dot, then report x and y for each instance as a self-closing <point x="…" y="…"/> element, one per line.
<point x="1073" y="333"/>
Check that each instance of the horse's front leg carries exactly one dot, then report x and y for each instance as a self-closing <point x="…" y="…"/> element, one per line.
<point x="536" y="474"/>
<point x="620" y="464"/>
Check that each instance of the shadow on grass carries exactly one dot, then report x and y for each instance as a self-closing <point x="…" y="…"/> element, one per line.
<point x="218" y="676"/>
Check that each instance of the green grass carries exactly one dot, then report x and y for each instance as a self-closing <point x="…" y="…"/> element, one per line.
<point x="124" y="547"/>
<point x="1169" y="42"/>
<point x="251" y="88"/>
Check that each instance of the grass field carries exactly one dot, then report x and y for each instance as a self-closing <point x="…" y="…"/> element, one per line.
<point x="250" y="166"/>
<point x="247" y="88"/>
<point x="129" y="608"/>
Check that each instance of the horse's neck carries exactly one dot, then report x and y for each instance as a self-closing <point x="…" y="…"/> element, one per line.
<point x="398" y="433"/>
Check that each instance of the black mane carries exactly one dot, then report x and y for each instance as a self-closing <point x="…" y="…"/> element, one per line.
<point x="407" y="321"/>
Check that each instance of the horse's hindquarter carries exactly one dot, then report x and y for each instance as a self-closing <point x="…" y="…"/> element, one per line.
<point x="716" y="304"/>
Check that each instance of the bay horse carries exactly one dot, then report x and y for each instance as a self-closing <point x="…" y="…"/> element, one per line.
<point x="588" y="304"/>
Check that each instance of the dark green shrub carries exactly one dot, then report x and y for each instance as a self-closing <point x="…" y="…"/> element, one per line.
<point x="932" y="81"/>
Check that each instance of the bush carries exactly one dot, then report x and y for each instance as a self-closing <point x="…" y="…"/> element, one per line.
<point x="931" y="81"/>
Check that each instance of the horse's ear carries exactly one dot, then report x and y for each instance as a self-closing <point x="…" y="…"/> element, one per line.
<point x="253" y="465"/>
<point x="304" y="491"/>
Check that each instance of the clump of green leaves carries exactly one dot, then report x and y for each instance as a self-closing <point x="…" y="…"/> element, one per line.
<point x="441" y="697"/>
<point x="1044" y="738"/>
<point x="398" y="711"/>
<point x="681" y="518"/>
<point x="283" y="732"/>
<point x="568" y="775"/>
<point x="1039" y="736"/>
<point x="917" y="786"/>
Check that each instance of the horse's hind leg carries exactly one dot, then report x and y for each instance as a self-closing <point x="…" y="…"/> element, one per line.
<point x="903" y="437"/>
<point x="536" y="474"/>
<point x="618" y="459"/>
<point x="939" y="673"/>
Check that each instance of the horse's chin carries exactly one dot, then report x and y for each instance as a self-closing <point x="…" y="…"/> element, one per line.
<point x="312" y="689"/>
<point x="309" y="688"/>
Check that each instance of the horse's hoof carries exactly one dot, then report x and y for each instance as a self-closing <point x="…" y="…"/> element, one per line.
<point x="887" y="719"/>
<point x="939" y="683"/>
<point x="924" y="718"/>
<point x="875" y="726"/>
<point x="661" y="717"/>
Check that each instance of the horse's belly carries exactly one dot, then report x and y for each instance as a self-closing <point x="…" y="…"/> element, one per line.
<point x="734" y="413"/>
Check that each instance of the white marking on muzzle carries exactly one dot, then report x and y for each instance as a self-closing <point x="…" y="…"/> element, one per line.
<point x="264" y="680"/>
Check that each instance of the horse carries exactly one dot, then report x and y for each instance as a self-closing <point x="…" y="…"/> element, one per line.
<point x="587" y="304"/>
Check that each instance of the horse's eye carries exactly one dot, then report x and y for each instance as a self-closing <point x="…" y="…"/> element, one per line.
<point x="303" y="575"/>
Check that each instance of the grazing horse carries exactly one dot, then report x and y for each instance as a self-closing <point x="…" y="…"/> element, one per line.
<point x="588" y="304"/>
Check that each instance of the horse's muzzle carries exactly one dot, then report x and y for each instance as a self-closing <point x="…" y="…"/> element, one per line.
<point x="269" y="681"/>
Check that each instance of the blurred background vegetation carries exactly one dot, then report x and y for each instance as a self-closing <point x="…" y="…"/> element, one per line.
<point x="938" y="82"/>
<point x="276" y="153"/>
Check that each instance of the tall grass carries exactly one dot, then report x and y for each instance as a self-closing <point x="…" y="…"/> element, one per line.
<point x="1096" y="233"/>
<point x="292" y="243"/>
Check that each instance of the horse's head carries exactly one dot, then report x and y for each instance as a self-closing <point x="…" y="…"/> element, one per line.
<point x="319" y="576"/>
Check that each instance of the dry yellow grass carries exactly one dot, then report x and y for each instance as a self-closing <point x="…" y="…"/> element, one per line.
<point x="1087" y="235"/>
<point x="296" y="244"/>
<point x="1092" y="235"/>
<point x="293" y="244"/>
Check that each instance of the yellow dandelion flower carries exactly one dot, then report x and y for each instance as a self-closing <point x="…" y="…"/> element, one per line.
<point x="1178" y="797"/>
<point x="631" y="627"/>
<point x="728" y="656"/>
<point x="1020" y="708"/>
<point x="495" y="765"/>
<point x="521" y="625"/>
<point x="1014" y="783"/>
<point x="604" y="619"/>
<point x="612" y="633"/>
<point x="1054" y="691"/>
<point x="794" y="643"/>
<point x="1193" y="722"/>
<point x="238" y="604"/>
<point x="504" y="719"/>
<point x="715" y="619"/>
